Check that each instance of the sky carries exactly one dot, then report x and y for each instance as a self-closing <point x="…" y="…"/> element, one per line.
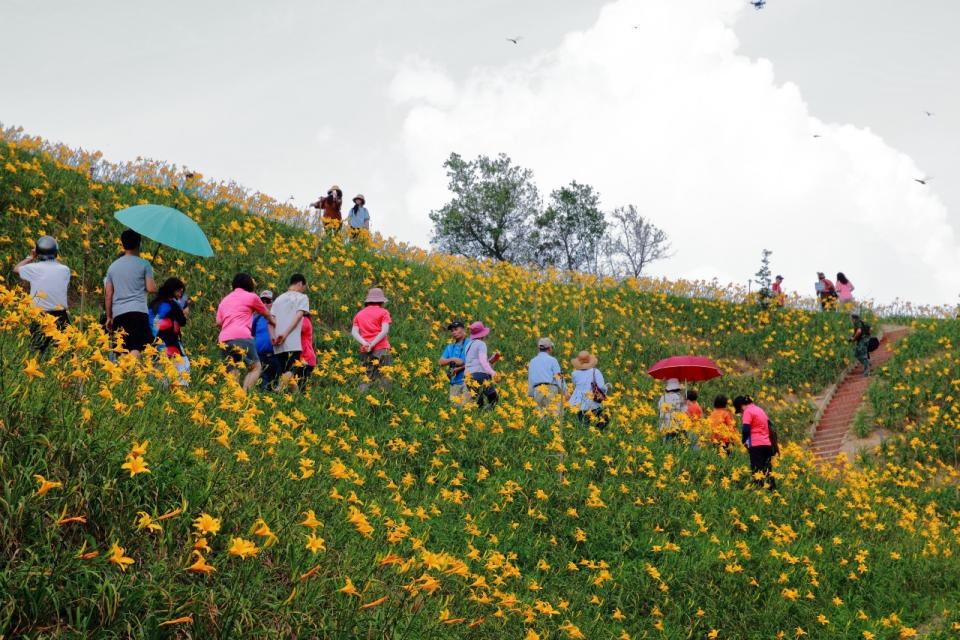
<point x="702" y="113"/>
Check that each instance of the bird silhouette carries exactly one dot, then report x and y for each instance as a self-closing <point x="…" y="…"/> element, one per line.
<point x="817" y="135"/>
<point x="923" y="180"/>
<point x="515" y="39"/>
<point x="929" y="113"/>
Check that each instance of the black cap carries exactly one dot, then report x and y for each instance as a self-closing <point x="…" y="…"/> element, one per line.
<point x="456" y="324"/>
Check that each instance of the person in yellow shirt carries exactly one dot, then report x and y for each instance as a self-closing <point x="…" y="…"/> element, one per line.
<point x="722" y="423"/>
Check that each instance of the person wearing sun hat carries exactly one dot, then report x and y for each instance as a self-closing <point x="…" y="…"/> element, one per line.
<point x="329" y="206"/>
<point x="358" y="219"/>
<point x="545" y="380"/>
<point x="672" y="408"/>
<point x="584" y="376"/>
<point x="454" y="359"/>
<point x="478" y="366"/>
<point x="370" y="328"/>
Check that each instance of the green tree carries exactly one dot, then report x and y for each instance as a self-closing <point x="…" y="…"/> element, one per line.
<point x="765" y="293"/>
<point x="492" y="213"/>
<point x="571" y="229"/>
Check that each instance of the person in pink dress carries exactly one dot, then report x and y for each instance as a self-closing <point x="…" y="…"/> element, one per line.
<point x="844" y="288"/>
<point x="307" y="353"/>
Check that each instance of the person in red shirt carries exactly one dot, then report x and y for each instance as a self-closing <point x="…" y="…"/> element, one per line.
<point x="777" y="288"/>
<point x="307" y="353"/>
<point x="370" y="328"/>
<point x="826" y="291"/>
<point x="693" y="407"/>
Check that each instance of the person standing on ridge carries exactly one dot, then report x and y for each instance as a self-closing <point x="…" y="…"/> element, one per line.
<point x="128" y="281"/>
<point x="288" y="310"/>
<point x="49" y="280"/>
<point x="358" y="219"/>
<point x="779" y="297"/>
<point x="371" y="327"/>
<point x="329" y="206"/>
<point x="454" y="358"/>
<point x="861" y="342"/>
<point x="825" y="291"/>
<point x="844" y="289"/>
<point x="545" y="380"/>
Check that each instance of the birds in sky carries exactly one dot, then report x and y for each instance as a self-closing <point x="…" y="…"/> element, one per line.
<point x="515" y="39"/>
<point x="929" y="113"/>
<point x="758" y="4"/>
<point x="923" y="180"/>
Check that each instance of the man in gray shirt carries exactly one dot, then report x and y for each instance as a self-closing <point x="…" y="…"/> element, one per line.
<point x="129" y="279"/>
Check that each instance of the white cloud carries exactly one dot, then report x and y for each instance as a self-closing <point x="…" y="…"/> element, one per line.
<point x="670" y="117"/>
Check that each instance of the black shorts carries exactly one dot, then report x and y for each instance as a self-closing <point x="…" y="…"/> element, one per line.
<point x="136" y="326"/>
<point x="287" y="360"/>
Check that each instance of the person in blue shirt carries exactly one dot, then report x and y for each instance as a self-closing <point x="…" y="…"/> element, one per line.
<point x="544" y="379"/>
<point x="263" y="335"/>
<point x="454" y="359"/>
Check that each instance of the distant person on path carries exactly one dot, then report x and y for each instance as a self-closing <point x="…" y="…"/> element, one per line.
<point x="288" y="311"/>
<point x="454" y="358"/>
<point x="263" y="335"/>
<point x="358" y="220"/>
<point x="545" y="380"/>
<point x="167" y="319"/>
<point x="861" y="342"/>
<point x="825" y="291"/>
<point x="693" y="407"/>
<point x="779" y="297"/>
<point x="722" y="423"/>
<point x="844" y="289"/>
<point x="756" y="437"/>
<point x="587" y="380"/>
<point x="478" y="366"/>
<point x="670" y="407"/>
<point x="329" y="206"/>
<point x="129" y="279"/>
<point x="49" y="280"/>
<point x="371" y="327"/>
<point x="235" y="318"/>
<point x="308" y="355"/>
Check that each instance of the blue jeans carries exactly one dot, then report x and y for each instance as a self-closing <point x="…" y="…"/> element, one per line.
<point x="271" y="369"/>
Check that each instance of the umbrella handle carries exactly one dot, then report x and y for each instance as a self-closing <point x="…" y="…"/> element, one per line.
<point x="156" y="252"/>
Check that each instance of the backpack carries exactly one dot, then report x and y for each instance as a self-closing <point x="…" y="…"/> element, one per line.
<point x="152" y="318"/>
<point x="872" y="344"/>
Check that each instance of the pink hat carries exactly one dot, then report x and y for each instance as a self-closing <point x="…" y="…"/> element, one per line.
<point x="375" y="295"/>
<point x="478" y="330"/>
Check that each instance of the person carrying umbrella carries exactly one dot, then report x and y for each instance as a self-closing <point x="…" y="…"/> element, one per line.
<point x="128" y="281"/>
<point x="672" y="410"/>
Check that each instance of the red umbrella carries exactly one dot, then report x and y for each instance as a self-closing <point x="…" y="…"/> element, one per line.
<point x="691" y="368"/>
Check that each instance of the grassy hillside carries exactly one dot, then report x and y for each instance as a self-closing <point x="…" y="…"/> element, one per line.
<point x="343" y="514"/>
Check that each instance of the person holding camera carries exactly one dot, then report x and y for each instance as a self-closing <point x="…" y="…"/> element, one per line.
<point x="454" y="358"/>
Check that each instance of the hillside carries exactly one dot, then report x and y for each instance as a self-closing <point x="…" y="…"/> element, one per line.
<point x="391" y="514"/>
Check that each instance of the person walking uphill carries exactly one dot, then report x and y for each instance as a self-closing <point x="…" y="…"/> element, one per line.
<point x="263" y="335"/>
<point x="757" y="436"/>
<point x="454" y="358"/>
<point x="589" y="390"/>
<point x="671" y="409"/>
<point x="235" y="317"/>
<point x="825" y="291"/>
<point x="861" y="342"/>
<point x="128" y="281"/>
<point x="288" y="311"/>
<point x="844" y="289"/>
<point x="544" y="379"/>
<point x="49" y="280"/>
<point x="167" y="319"/>
<point x="478" y="367"/>
<point x="371" y="326"/>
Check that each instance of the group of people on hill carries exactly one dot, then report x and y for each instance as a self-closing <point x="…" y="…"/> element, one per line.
<point x="358" y="218"/>
<point x="828" y="293"/>
<point x="678" y="410"/>
<point x="469" y="368"/>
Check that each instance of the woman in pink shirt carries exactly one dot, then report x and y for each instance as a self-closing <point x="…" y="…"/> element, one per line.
<point x="371" y="327"/>
<point x="844" y="288"/>
<point x="307" y="353"/>
<point x="757" y="438"/>
<point x="235" y="317"/>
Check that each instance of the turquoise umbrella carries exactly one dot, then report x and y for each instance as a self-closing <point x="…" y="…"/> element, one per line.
<point x="168" y="227"/>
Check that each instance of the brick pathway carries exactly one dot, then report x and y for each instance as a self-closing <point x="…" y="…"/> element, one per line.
<point x="837" y="420"/>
